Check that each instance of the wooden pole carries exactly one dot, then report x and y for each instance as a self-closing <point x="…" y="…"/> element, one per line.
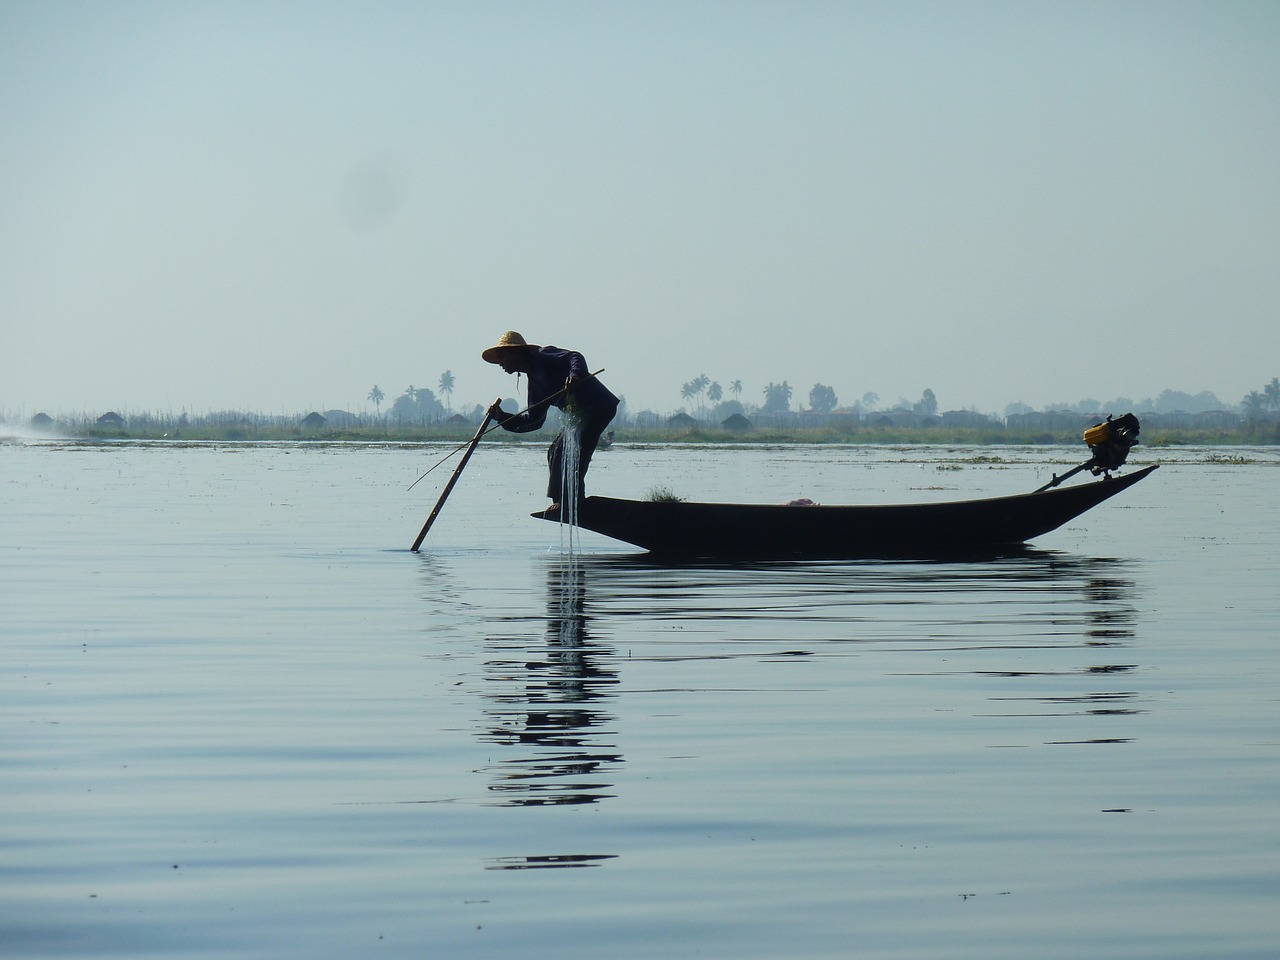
<point x="448" y="487"/>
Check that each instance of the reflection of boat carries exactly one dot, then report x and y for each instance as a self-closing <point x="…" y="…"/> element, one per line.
<point x="688" y="530"/>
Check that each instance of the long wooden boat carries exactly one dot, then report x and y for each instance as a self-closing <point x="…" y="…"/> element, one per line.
<point x="677" y="529"/>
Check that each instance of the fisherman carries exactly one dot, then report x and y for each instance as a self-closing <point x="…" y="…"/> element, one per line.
<point x="557" y="378"/>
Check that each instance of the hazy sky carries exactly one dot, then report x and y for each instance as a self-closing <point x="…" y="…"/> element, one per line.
<point x="274" y="206"/>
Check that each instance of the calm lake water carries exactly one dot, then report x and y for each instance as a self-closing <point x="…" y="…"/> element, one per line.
<point x="239" y="719"/>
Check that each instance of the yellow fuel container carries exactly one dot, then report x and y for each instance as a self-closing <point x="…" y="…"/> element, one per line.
<point x="1098" y="434"/>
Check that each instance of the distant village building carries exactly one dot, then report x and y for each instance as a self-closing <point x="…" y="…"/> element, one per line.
<point x="782" y="420"/>
<point x="736" y="423"/>
<point x="1181" y="420"/>
<point x="965" y="419"/>
<point x="894" y="418"/>
<point x="111" y="419"/>
<point x="341" y="418"/>
<point x="313" y="421"/>
<point x="844" y="420"/>
<point x="1051" y="421"/>
<point x="1178" y="419"/>
<point x="42" y="421"/>
<point x="1217" y="420"/>
<point x="682" y="421"/>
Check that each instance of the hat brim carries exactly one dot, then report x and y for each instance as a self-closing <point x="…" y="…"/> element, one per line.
<point x="493" y="353"/>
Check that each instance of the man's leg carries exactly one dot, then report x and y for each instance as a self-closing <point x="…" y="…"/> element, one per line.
<point x="592" y="430"/>
<point x="555" y="467"/>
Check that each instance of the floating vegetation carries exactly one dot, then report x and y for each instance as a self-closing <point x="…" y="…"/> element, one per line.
<point x="1234" y="459"/>
<point x="982" y="459"/>
<point x="663" y="495"/>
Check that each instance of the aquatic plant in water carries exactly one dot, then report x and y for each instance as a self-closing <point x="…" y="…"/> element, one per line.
<point x="663" y="495"/>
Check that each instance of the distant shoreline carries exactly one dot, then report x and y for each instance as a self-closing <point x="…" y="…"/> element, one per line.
<point x="1262" y="434"/>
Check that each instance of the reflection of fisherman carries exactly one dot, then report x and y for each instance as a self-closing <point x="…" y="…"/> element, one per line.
<point x="557" y="378"/>
<point x="549" y="703"/>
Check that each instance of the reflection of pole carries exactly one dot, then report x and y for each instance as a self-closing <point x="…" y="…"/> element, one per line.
<point x="448" y="487"/>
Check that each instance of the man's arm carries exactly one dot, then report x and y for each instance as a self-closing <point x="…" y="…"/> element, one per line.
<point x="525" y="422"/>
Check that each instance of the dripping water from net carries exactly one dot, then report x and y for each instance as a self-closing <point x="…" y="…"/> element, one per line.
<point x="570" y="486"/>
<point x="569" y="594"/>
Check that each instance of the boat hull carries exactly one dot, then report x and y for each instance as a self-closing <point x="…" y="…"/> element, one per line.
<point x="691" y="530"/>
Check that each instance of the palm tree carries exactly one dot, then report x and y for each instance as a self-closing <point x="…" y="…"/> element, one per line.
<point x="715" y="393"/>
<point x="687" y="391"/>
<point x="1254" y="405"/>
<point x="377" y="396"/>
<point x="1272" y="394"/>
<point x="700" y="383"/>
<point x="777" y="397"/>
<point x="446" y="387"/>
<point x="736" y="389"/>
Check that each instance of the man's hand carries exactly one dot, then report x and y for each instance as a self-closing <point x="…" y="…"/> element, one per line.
<point x="495" y="412"/>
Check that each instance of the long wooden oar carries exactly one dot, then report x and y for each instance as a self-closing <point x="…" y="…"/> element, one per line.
<point x="448" y="487"/>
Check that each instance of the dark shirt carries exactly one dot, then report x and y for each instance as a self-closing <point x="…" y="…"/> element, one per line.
<point x="548" y="371"/>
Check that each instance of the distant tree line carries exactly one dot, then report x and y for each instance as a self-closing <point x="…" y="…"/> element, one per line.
<point x="418" y="408"/>
<point x="417" y="404"/>
<point x="777" y="399"/>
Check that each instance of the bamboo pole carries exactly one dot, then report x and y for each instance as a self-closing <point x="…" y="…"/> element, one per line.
<point x="448" y="487"/>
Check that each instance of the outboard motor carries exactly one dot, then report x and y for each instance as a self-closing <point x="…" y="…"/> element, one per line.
<point x="1109" y="443"/>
